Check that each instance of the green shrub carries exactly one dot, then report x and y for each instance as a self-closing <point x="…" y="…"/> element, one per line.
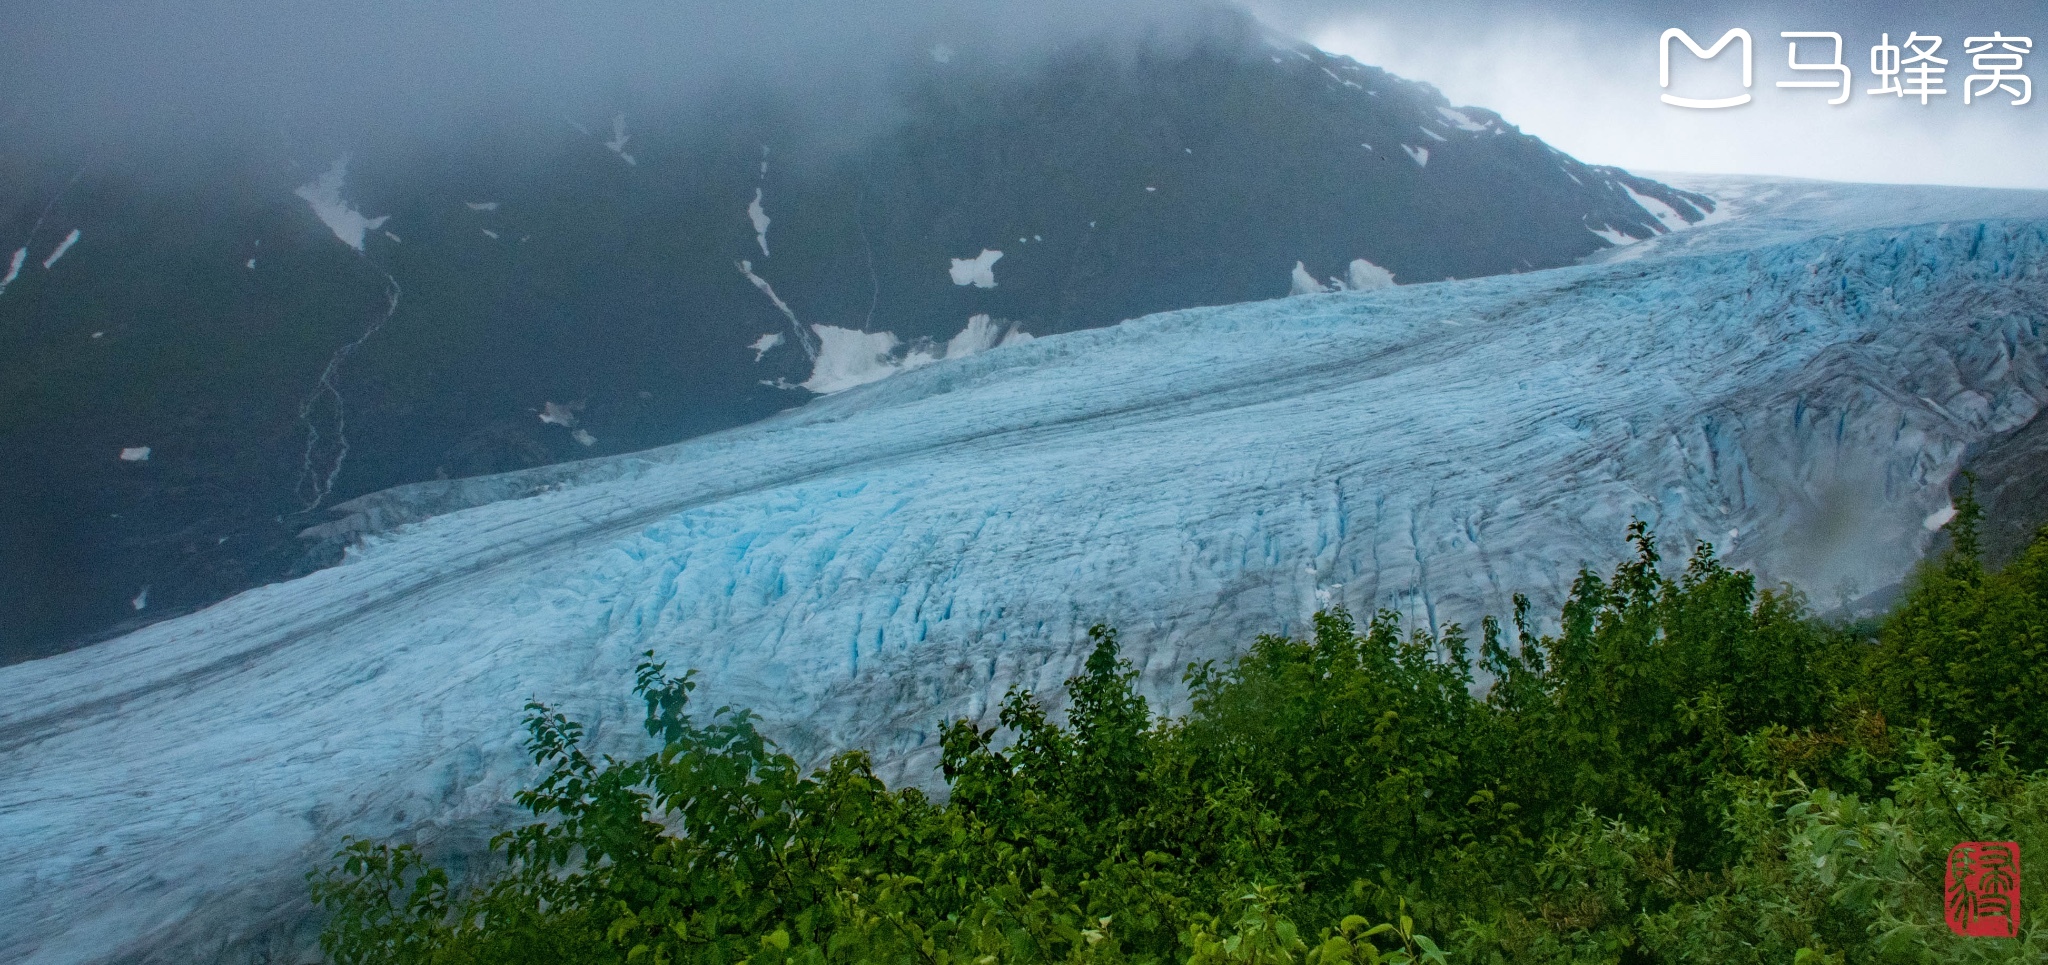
<point x="1690" y="769"/>
<point x="1966" y="650"/>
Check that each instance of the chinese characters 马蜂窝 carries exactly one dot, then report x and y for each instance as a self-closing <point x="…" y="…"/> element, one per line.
<point x="1911" y="68"/>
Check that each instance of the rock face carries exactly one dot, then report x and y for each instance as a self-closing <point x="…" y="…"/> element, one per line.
<point x="1797" y="384"/>
<point x="284" y="331"/>
<point x="2012" y="473"/>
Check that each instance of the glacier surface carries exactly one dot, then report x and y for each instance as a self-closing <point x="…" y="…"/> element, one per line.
<point x="1796" y="383"/>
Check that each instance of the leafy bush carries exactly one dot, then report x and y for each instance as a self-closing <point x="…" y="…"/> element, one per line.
<point x="1964" y="652"/>
<point x="1691" y="769"/>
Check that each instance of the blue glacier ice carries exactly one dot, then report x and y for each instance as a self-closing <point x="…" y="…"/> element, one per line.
<point x="1796" y="382"/>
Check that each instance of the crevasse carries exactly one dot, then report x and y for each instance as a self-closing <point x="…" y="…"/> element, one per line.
<point x="1796" y="384"/>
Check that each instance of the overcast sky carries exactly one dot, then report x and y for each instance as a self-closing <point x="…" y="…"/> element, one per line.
<point x="1582" y="75"/>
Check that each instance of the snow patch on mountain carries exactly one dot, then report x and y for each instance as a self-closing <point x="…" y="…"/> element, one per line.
<point x="1460" y="120"/>
<point x="804" y="337"/>
<point x="1364" y="276"/>
<point x="1667" y="217"/>
<point x="983" y="333"/>
<point x="324" y="195"/>
<point x="1420" y="155"/>
<point x="1360" y="276"/>
<point x="849" y="359"/>
<point x="759" y="216"/>
<point x="979" y="271"/>
<point x="1302" y="283"/>
<point x="554" y="413"/>
<point x="62" y="247"/>
<point x="1614" y="237"/>
<point x="13" y="268"/>
<point x="764" y="343"/>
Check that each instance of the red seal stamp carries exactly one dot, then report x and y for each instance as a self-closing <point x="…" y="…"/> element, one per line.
<point x="1983" y="889"/>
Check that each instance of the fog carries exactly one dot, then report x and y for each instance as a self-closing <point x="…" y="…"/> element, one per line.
<point x="155" y="76"/>
<point x="149" y="74"/>
<point x="1583" y="76"/>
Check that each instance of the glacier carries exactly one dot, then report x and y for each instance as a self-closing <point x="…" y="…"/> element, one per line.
<point x="1796" y="383"/>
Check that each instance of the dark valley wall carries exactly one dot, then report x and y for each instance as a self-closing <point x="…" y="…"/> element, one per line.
<point x="535" y="265"/>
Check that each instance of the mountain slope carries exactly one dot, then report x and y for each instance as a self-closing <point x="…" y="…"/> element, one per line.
<point x="863" y="567"/>
<point x="238" y="314"/>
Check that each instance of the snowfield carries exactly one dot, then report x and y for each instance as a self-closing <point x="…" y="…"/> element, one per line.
<point x="1796" y="383"/>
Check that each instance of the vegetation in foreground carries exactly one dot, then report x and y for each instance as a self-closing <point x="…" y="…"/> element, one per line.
<point x="1690" y="770"/>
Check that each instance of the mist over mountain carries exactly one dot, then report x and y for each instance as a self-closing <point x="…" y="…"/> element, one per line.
<point x="368" y="371"/>
<point x="216" y="333"/>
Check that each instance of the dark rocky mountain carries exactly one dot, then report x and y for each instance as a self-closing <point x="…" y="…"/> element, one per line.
<point x="210" y="364"/>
